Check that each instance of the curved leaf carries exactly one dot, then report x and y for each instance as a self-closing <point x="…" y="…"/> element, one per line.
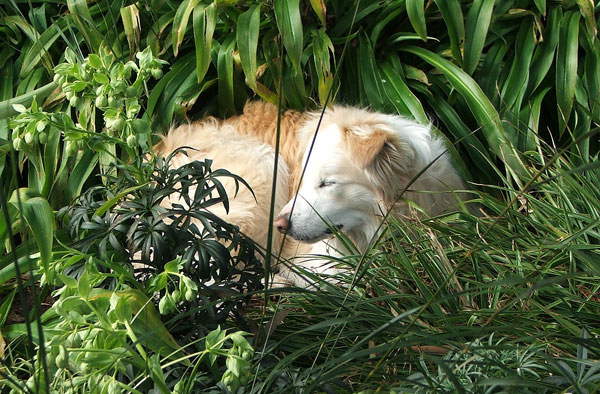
<point x="566" y="66"/>
<point x="416" y="15"/>
<point x="247" y="40"/>
<point x="320" y="9"/>
<point x="287" y="16"/>
<point x="401" y="95"/>
<point x="453" y="16"/>
<point x="130" y="16"/>
<point x="518" y="75"/>
<point x="481" y="107"/>
<point x="543" y="57"/>
<point x="476" y="29"/>
<point x="40" y="219"/>
<point x="225" y="81"/>
<point x="205" y="20"/>
<point x="180" y="22"/>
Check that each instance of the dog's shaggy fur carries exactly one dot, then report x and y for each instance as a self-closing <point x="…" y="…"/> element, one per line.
<point x="357" y="170"/>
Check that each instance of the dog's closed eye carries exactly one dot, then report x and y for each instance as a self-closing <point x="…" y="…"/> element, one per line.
<point x="325" y="183"/>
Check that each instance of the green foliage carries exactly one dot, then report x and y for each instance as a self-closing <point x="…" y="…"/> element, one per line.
<point x="158" y="218"/>
<point x="113" y="341"/>
<point x="513" y="85"/>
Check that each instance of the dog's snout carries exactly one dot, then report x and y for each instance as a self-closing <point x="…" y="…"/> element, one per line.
<point x="282" y="222"/>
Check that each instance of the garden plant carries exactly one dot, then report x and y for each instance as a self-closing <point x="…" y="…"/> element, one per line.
<point x="103" y="289"/>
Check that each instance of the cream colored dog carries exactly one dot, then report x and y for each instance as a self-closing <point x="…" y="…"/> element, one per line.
<point x="356" y="170"/>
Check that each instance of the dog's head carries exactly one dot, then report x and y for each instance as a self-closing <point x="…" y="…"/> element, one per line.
<point x="358" y="163"/>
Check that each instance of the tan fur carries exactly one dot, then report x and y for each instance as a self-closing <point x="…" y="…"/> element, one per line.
<point x="259" y="120"/>
<point x="373" y="144"/>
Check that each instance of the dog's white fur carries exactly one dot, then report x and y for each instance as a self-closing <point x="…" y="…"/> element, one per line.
<point x="357" y="171"/>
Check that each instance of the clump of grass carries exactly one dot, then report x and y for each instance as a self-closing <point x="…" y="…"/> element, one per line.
<point x="500" y="300"/>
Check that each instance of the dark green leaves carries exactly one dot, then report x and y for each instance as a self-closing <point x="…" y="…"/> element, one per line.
<point x="416" y="14"/>
<point x="287" y="15"/>
<point x="247" y="41"/>
<point x="205" y="19"/>
<point x="566" y="66"/>
<point x="476" y="29"/>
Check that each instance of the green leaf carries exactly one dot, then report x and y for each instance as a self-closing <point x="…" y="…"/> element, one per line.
<point x="130" y="16"/>
<point x="225" y="73"/>
<point x="101" y="78"/>
<point x="319" y="7"/>
<point x="39" y="217"/>
<point x="95" y="61"/>
<point x="323" y="51"/>
<point x="370" y="75"/>
<point x="416" y="15"/>
<point x="166" y="95"/>
<point x="180" y="22"/>
<point x="587" y="10"/>
<point x="123" y="310"/>
<point x="83" y="285"/>
<point x="543" y="57"/>
<point x="592" y="78"/>
<point x="453" y="16"/>
<point x="476" y="29"/>
<point x="566" y="66"/>
<point x="173" y="266"/>
<point x="80" y="174"/>
<point x="483" y="111"/>
<point x="39" y="50"/>
<point x="478" y="153"/>
<point x="205" y="19"/>
<point x="5" y="309"/>
<point x="146" y="322"/>
<point x="530" y="119"/>
<point x="19" y="108"/>
<point x="69" y="281"/>
<point x="516" y="82"/>
<point x="247" y="40"/>
<point x="287" y="16"/>
<point x="6" y="106"/>
<point x="541" y="6"/>
<point x="83" y="18"/>
<point x="399" y="93"/>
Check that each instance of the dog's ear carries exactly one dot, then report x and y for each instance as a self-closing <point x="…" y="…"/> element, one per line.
<point x="384" y="157"/>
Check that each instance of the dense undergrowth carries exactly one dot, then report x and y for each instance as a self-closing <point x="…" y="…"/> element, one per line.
<point x="103" y="290"/>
